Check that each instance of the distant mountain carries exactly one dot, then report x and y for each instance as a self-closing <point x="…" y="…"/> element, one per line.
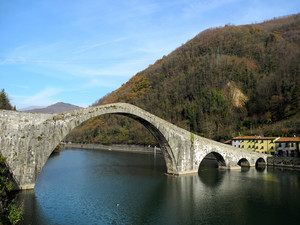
<point x="32" y="108"/>
<point x="56" y="108"/>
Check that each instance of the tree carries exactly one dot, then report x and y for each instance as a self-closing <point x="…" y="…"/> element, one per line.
<point x="4" y="101"/>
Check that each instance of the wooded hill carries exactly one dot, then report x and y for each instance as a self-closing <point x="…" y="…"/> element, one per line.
<point x="227" y="81"/>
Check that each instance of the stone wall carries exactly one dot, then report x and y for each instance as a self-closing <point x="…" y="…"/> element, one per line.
<point x="284" y="162"/>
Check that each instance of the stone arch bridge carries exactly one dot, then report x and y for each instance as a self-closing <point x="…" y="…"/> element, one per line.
<point x="28" y="139"/>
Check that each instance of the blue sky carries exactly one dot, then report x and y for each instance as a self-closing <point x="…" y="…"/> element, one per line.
<point x="78" y="51"/>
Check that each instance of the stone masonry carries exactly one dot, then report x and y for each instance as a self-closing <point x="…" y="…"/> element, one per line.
<point x="28" y="139"/>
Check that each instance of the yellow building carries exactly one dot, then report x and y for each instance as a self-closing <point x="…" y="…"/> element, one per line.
<point x="256" y="143"/>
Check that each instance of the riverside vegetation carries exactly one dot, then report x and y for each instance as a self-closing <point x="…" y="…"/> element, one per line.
<point x="10" y="212"/>
<point x="226" y="81"/>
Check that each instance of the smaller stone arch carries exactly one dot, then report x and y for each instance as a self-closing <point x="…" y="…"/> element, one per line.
<point x="243" y="162"/>
<point x="217" y="157"/>
<point x="260" y="162"/>
<point x="260" y="165"/>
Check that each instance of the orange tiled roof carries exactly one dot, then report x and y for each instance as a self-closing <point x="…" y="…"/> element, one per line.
<point x="289" y="139"/>
<point x="244" y="137"/>
<point x="267" y="138"/>
<point x="253" y="138"/>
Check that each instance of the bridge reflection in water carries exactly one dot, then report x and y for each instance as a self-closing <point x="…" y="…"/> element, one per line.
<point x="98" y="187"/>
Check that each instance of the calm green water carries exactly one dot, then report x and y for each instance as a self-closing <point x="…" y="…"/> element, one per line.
<point x="99" y="187"/>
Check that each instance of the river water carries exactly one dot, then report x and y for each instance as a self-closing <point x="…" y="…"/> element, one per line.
<point x="104" y="187"/>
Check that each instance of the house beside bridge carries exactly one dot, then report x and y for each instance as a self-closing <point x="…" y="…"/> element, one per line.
<point x="288" y="146"/>
<point x="279" y="146"/>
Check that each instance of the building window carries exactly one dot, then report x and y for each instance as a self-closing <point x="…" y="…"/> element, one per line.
<point x="279" y="145"/>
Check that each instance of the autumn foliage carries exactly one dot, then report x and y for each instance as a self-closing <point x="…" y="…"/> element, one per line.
<point x="226" y="81"/>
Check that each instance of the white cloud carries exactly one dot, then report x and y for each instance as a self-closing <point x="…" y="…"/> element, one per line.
<point x="35" y="54"/>
<point x="127" y="68"/>
<point x="43" y="98"/>
<point x="85" y="48"/>
<point x="98" y="82"/>
<point x="22" y="86"/>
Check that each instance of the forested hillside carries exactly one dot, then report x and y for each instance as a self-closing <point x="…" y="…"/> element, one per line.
<point x="227" y="81"/>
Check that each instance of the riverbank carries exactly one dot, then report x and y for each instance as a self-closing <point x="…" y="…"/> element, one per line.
<point x="289" y="162"/>
<point x="114" y="147"/>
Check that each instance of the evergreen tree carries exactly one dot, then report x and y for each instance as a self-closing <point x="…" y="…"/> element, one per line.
<point x="4" y="101"/>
